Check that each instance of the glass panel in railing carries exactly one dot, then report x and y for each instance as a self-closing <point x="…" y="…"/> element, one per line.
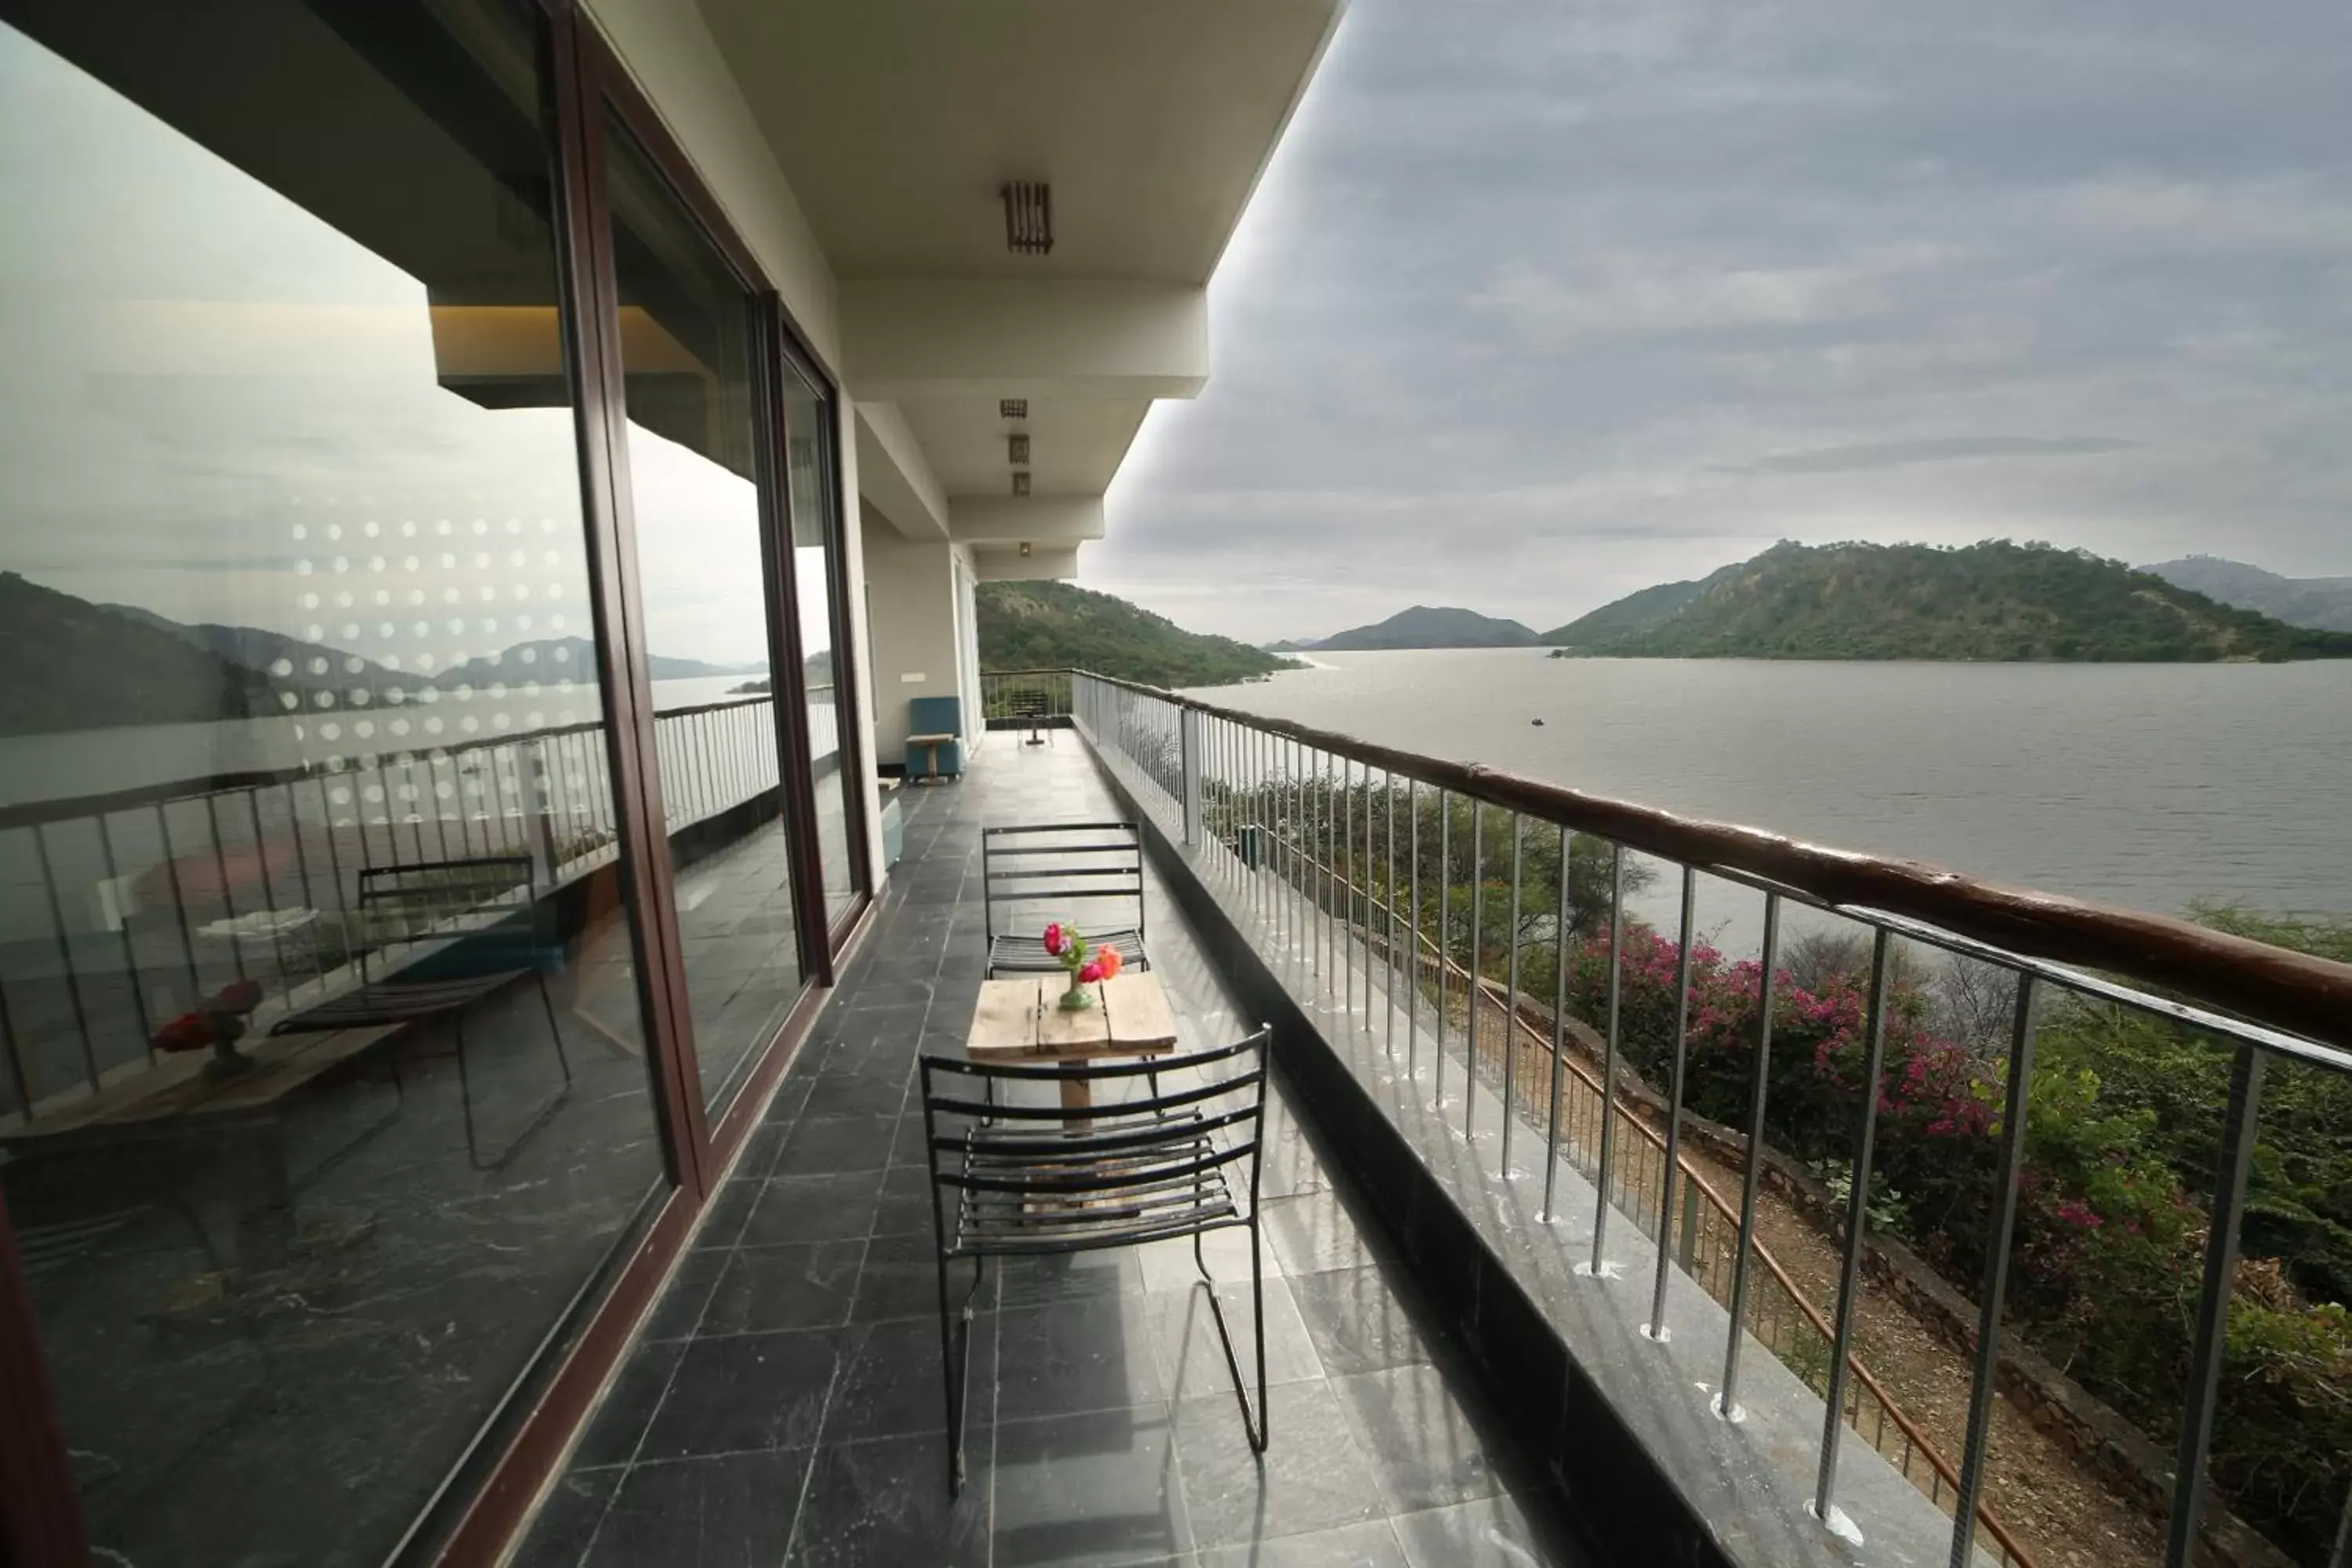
<point x="326" y="1074"/>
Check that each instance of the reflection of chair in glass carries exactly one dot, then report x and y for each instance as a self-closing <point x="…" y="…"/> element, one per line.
<point x="1064" y="865"/>
<point x="483" y="928"/>
<point x="1014" y="1178"/>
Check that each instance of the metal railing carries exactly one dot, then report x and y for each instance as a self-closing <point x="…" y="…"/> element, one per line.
<point x="1022" y="696"/>
<point x="128" y="908"/>
<point x="1275" y="814"/>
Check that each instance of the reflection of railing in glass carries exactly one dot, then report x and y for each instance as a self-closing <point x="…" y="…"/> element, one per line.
<point x="148" y="899"/>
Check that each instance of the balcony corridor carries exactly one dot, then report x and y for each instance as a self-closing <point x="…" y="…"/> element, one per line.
<point x="784" y="1402"/>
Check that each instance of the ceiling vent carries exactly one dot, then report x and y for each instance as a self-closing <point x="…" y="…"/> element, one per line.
<point x="1029" y="217"/>
<point x="1020" y="482"/>
<point x="1012" y="407"/>
<point x="1017" y="449"/>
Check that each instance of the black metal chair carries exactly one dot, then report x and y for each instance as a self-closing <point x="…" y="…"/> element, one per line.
<point x="480" y="917"/>
<point x="1014" y="1178"/>
<point x="1028" y="704"/>
<point x="1061" y="865"/>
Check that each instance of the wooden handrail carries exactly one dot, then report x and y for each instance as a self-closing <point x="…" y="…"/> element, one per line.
<point x="2297" y="993"/>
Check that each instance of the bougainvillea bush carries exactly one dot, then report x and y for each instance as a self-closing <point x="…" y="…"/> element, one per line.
<point x="2109" y="1252"/>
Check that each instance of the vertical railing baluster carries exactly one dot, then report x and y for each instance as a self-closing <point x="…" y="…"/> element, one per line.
<point x="1345" y="845"/>
<point x="16" y="1078"/>
<point x="1857" y="1216"/>
<point x="122" y="924"/>
<point x="268" y="893"/>
<point x="1983" y="1378"/>
<point x="1470" y="991"/>
<point x="179" y="904"/>
<point x="1330" y="874"/>
<point x="1558" y="1035"/>
<point x="220" y="867"/>
<point x="2239" y="1130"/>
<point x="65" y="954"/>
<point x="1444" y="952"/>
<point x="1608" y="1054"/>
<point x="1728" y="1402"/>
<point x="1387" y="894"/>
<point x="1412" y="956"/>
<point x="1511" y="1006"/>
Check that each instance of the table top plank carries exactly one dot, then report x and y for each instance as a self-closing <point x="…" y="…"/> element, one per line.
<point x="1131" y="1018"/>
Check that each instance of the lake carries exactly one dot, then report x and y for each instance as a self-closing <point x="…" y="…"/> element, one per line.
<point x="2147" y="785"/>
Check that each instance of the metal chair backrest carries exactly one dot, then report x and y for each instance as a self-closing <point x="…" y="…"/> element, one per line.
<point x="1028" y="1168"/>
<point x="444" y="901"/>
<point x="1061" y="865"/>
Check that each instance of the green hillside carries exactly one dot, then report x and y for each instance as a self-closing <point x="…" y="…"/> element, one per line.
<point x="1042" y="625"/>
<point x="1989" y="601"/>
<point x="1440" y="627"/>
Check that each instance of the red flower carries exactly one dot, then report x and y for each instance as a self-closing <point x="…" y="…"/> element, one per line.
<point x="1054" y="937"/>
<point x="188" y="1032"/>
<point x="1090" y="971"/>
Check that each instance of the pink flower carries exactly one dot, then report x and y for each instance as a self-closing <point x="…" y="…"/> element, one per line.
<point x="1054" y="937"/>
<point x="1090" y="971"/>
<point x="1111" y="962"/>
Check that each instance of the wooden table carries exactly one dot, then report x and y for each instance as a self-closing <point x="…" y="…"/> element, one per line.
<point x="1022" y="1019"/>
<point x="934" y="742"/>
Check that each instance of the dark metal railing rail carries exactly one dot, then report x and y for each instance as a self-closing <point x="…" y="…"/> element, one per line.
<point x="1251" y="794"/>
<point x="129" y="907"/>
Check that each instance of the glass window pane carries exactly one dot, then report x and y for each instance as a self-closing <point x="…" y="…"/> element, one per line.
<point x="687" y="333"/>
<point x="808" y="448"/>
<point x="326" y="1086"/>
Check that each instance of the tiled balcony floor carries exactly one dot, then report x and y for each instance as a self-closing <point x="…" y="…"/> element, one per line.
<point x="786" y="1406"/>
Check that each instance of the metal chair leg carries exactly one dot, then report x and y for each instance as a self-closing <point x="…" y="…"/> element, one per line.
<point x="955" y="1329"/>
<point x="1253" y="1422"/>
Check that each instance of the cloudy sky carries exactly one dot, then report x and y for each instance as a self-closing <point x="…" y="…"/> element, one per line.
<point x="1543" y="302"/>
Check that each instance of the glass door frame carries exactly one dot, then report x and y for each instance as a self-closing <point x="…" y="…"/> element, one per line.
<point x="496" y="1479"/>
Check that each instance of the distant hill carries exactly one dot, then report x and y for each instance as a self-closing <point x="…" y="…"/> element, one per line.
<point x="554" y="658"/>
<point x="2324" y="604"/>
<point x="1989" y="601"/>
<point x="68" y="664"/>
<point x="1426" y="626"/>
<point x="1041" y="626"/>
<point x="1633" y="613"/>
<point x="288" y="660"/>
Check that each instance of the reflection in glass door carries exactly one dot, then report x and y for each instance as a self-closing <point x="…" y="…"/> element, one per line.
<point x="688" y="328"/>
<point x="808" y="461"/>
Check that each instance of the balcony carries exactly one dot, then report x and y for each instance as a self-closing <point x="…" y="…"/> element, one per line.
<point x="784" y="1401"/>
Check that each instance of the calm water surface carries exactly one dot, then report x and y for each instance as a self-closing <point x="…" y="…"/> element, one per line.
<point x="2149" y="786"/>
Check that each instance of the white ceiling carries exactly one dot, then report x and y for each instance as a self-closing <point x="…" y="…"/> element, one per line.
<point x="899" y="122"/>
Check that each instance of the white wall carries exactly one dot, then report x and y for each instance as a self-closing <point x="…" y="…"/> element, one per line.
<point x="915" y="651"/>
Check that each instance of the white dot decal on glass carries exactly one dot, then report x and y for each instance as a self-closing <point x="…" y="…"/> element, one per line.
<point x="331" y="732"/>
<point x="281" y="667"/>
<point x="371" y="530"/>
<point x="408" y="530"/>
<point x="383" y="597"/>
<point x="340" y="796"/>
<point x="342" y="563"/>
<point x="433" y="726"/>
<point x="358" y="697"/>
<point x="373" y="793"/>
<point x="429" y="695"/>
<point x="469" y="723"/>
<point x="555" y="558"/>
<point x="522" y="590"/>
<point x="319" y="664"/>
<point x="555" y="621"/>
<point x="384" y="629"/>
<point x="449" y="596"/>
<point x="416" y="596"/>
<point x="324" y="698"/>
<point x="351" y="630"/>
<point x="564" y="684"/>
<point x="448" y="562"/>
<point x="375" y="562"/>
<point x="534" y="718"/>
<point x="303" y="568"/>
<point x="488" y="593"/>
<point x="514" y="525"/>
<point x="555" y="590"/>
<point x="334" y="530"/>
<point x="481" y="560"/>
<point x="343" y="600"/>
<point x="290" y="700"/>
<point x="364" y="728"/>
<point x="523" y="623"/>
<point x="502" y="720"/>
<point x="309" y="601"/>
<point x="516" y="558"/>
<point x="408" y="792"/>
<point x="498" y="689"/>
<point x="314" y="631"/>
<point x="334" y="765"/>
<point x="563" y="656"/>
<point x="531" y="688"/>
<point x="547" y="525"/>
<point x="480" y="526"/>
<point x="399" y="726"/>
<point x="300" y="532"/>
<point x="354" y="663"/>
<point x="529" y="655"/>
<point x="392" y="661"/>
<point x="489" y="628"/>
<point x="409" y="564"/>
<point x="442" y="527"/>
<point x="456" y="627"/>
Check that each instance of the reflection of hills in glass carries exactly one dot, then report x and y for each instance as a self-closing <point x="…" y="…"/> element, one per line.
<point x="68" y="664"/>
